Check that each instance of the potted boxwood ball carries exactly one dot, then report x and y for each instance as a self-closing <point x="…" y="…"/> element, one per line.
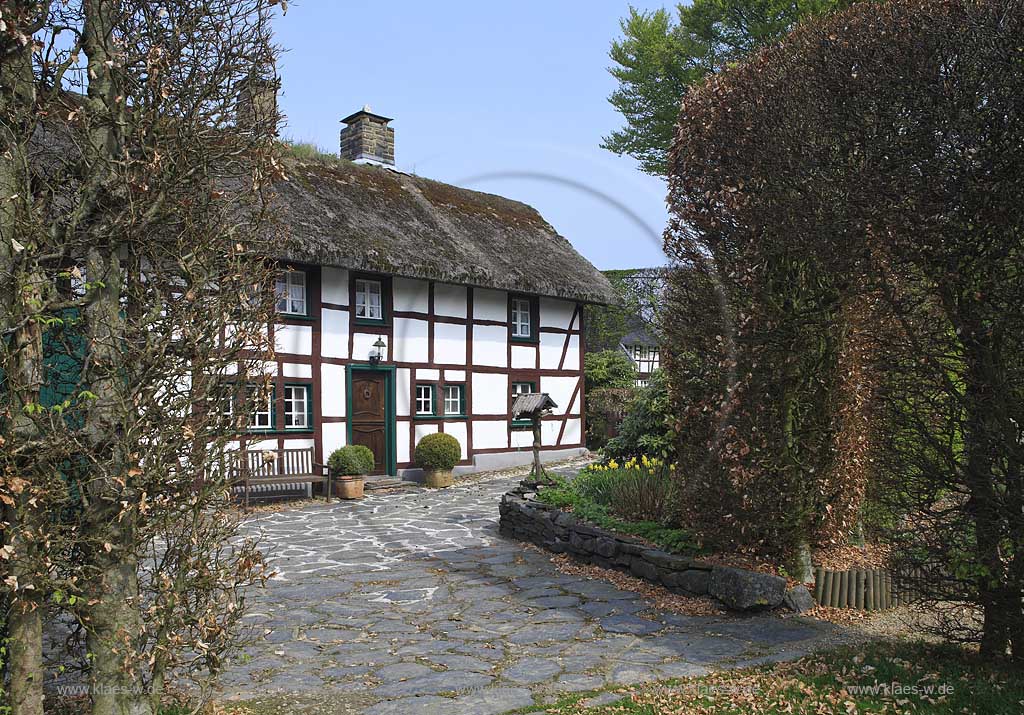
<point x="349" y="467"/>
<point x="437" y="454"/>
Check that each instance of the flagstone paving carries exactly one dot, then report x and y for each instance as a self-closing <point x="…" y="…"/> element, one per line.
<point x="413" y="603"/>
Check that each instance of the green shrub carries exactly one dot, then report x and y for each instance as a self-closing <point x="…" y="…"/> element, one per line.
<point x="351" y="460"/>
<point x="438" y="451"/>
<point x="608" y="369"/>
<point x="647" y="427"/>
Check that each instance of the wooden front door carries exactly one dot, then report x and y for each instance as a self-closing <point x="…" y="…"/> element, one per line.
<point x="369" y="416"/>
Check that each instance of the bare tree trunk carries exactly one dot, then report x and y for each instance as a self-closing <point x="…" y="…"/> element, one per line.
<point x="25" y="630"/>
<point x="19" y="289"/>
<point x="538" y="468"/>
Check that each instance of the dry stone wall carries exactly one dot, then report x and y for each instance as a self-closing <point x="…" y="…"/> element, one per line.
<point x="525" y="518"/>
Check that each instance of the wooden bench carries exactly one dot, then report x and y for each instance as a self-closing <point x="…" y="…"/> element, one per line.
<point x="278" y="466"/>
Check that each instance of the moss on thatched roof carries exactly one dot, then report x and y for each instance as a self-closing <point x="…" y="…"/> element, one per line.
<point x="377" y="219"/>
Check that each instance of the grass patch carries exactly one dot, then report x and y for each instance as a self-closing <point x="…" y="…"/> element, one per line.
<point x="306" y="151"/>
<point x="881" y="677"/>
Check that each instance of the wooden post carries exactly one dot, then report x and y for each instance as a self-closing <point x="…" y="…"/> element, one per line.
<point x="538" y="470"/>
<point x="826" y="589"/>
<point x="844" y="588"/>
<point x="869" y="591"/>
<point x="859" y="593"/>
<point x="819" y="584"/>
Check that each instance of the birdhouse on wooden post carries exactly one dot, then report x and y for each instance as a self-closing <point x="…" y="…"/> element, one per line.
<point x="533" y="406"/>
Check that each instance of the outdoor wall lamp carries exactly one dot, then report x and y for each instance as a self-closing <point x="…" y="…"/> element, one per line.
<point x="378" y="352"/>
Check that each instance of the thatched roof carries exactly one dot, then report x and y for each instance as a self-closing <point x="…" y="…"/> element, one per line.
<point x="378" y="219"/>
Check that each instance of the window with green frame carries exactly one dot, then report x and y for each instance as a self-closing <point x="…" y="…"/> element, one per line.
<point x="426" y="400"/>
<point x="522" y="388"/>
<point x="261" y="419"/>
<point x="371" y="298"/>
<point x="454" y="396"/>
<point x="298" y="407"/>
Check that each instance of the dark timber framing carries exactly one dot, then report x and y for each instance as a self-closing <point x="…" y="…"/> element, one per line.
<point x="287" y="364"/>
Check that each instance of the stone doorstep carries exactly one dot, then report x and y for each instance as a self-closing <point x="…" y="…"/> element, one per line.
<point x="738" y="589"/>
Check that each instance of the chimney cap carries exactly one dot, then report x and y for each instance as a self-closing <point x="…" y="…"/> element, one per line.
<point x="365" y="111"/>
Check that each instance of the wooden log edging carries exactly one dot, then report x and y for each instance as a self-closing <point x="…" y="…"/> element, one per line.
<point x="861" y="589"/>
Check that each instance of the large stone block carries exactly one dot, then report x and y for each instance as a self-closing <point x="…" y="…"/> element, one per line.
<point x="691" y="581"/>
<point x="606" y="548"/>
<point x="799" y="599"/>
<point x="643" y="569"/>
<point x="665" y="560"/>
<point x="745" y="590"/>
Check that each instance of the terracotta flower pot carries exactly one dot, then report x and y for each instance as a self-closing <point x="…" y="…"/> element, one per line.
<point x="349" y="487"/>
<point x="438" y="478"/>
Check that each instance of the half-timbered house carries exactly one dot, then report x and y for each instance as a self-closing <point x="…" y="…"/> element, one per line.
<point x="408" y="306"/>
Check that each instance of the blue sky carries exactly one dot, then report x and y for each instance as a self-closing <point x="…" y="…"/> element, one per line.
<point x="504" y="97"/>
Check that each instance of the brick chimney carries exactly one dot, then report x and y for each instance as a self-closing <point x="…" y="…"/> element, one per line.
<point x="257" y="103"/>
<point x="366" y="138"/>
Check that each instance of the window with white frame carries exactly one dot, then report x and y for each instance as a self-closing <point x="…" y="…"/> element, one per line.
<point x="291" y="293"/>
<point x="296" y="406"/>
<point x="262" y="415"/>
<point x="521" y="316"/>
<point x="369" y="299"/>
<point x="453" y="399"/>
<point x="521" y="388"/>
<point x="424" y="399"/>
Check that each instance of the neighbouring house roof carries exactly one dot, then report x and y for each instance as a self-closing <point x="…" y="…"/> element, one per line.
<point x="374" y="218"/>
<point x="639" y="336"/>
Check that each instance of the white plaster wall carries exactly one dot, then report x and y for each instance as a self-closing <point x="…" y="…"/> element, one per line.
<point x="332" y="390"/>
<point x="428" y="375"/>
<point x="450" y="300"/>
<point x="490" y="345"/>
<point x="262" y="444"/>
<point x="572" y="434"/>
<point x="489" y="435"/>
<point x="449" y="344"/>
<point x="574" y="408"/>
<point x="362" y="344"/>
<point x="523" y="438"/>
<point x="490" y="304"/>
<point x="293" y="339"/>
<point x="572" y="355"/>
<point x="334" y="434"/>
<point x="551" y="350"/>
<point x="334" y="333"/>
<point x="560" y="389"/>
<point x="555" y="313"/>
<point x="459" y="431"/>
<point x="263" y="367"/>
<point x="297" y="370"/>
<point x="403" y="386"/>
<point x="423" y="430"/>
<point x="524" y="356"/>
<point x="455" y="375"/>
<point x="410" y="295"/>
<point x="490" y="394"/>
<point x="297" y="443"/>
<point x="409" y="343"/>
<point x="403" y="452"/>
<point x="334" y="285"/>
<point x="549" y="433"/>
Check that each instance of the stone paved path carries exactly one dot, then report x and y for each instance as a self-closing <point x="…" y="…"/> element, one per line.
<point x="412" y="603"/>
